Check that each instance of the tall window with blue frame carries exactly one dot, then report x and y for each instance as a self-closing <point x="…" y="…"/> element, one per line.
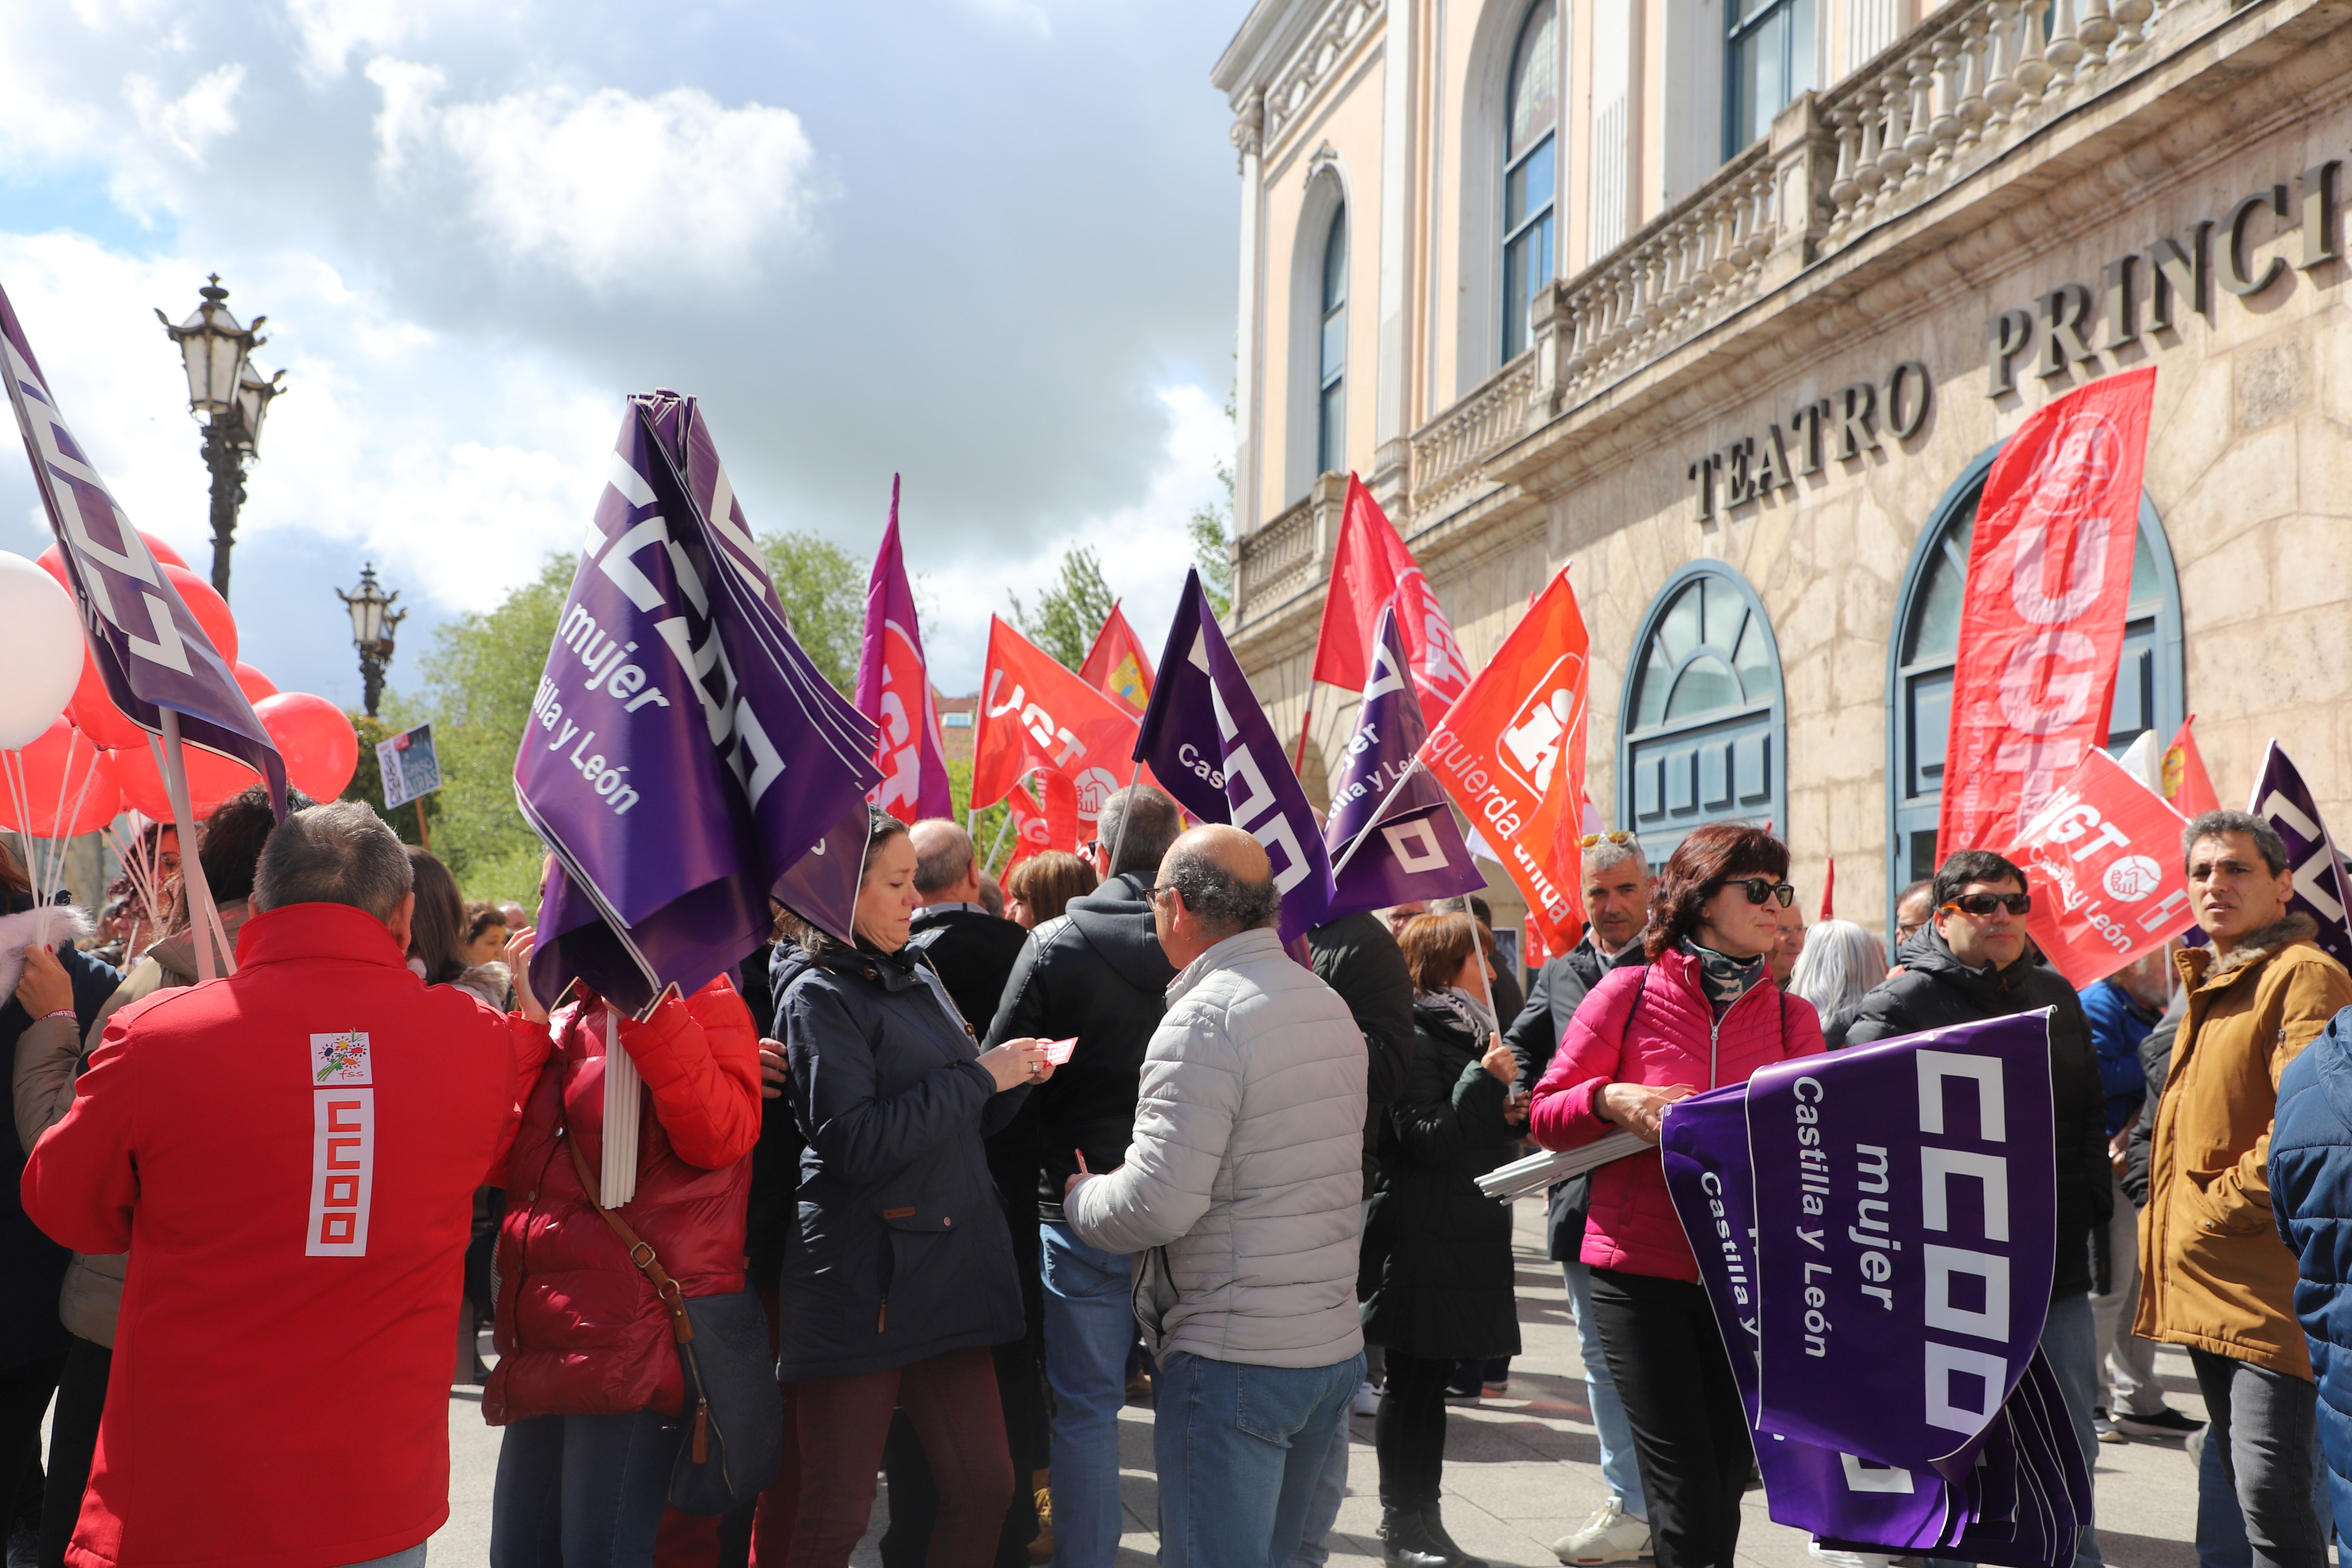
<point x="2149" y="693"/>
<point x="1331" y="367"/>
<point x="1768" y="61"/>
<point x="1530" y="161"/>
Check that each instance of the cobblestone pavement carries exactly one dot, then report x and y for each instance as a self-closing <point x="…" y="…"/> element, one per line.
<point x="1521" y="1470"/>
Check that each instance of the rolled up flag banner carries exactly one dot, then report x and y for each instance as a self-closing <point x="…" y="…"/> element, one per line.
<point x="1391" y="836"/>
<point x="1875" y="1230"/>
<point x="1208" y="741"/>
<point x="685" y="761"/>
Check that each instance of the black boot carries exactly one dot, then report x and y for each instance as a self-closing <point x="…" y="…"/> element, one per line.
<point x="1433" y="1529"/>
<point x="1405" y="1543"/>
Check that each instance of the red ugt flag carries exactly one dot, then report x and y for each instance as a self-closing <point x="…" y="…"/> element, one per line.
<point x="1034" y="713"/>
<point x="2103" y="861"/>
<point x="1372" y="567"/>
<point x="1511" y="753"/>
<point x="2041" y="626"/>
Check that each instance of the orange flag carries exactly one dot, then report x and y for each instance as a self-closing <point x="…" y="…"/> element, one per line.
<point x="1118" y="665"/>
<point x="1035" y="714"/>
<point x="2186" y="784"/>
<point x="1511" y="753"/>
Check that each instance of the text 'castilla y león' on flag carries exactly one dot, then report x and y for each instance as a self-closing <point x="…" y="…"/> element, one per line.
<point x="1208" y="741"/>
<point x="686" y="762"/>
<point x="1875" y="1229"/>
<point x="1391" y="836"/>
<point x="1511" y="753"/>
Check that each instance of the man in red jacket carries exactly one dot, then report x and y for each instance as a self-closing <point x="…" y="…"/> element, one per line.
<point x="290" y="1155"/>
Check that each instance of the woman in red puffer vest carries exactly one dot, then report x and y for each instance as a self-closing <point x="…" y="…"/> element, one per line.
<point x="1704" y="1014"/>
<point x="588" y="1380"/>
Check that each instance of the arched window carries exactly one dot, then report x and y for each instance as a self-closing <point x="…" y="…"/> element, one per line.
<point x="1530" y="144"/>
<point x="2149" y="692"/>
<point x="1331" y="363"/>
<point x="1767" y="62"/>
<point x="1704" y="728"/>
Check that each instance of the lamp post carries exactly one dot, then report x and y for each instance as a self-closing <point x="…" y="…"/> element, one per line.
<point x="230" y="395"/>
<point x="373" y="621"/>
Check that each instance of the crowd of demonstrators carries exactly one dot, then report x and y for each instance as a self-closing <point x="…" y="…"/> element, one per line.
<point x="1097" y="973"/>
<point x="1041" y="887"/>
<point x="202" y="1136"/>
<point x="1509" y="997"/>
<point x="1913" y="905"/>
<point x="901" y="1275"/>
<point x="1617" y="888"/>
<point x="1789" y="931"/>
<point x="1435" y="1273"/>
<point x="1241" y="1185"/>
<point x="486" y="929"/>
<point x="1702" y="1014"/>
<point x="2212" y="1277"/>
<point x="1841" y="964"/>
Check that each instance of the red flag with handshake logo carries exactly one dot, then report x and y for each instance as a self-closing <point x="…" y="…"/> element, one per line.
<point x="1511" y="753"/>
<point x="1034" y="713"/>
<point x="2042" y="624"/>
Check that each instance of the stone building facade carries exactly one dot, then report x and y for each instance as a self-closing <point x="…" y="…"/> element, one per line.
<point x="1754" y="392"/>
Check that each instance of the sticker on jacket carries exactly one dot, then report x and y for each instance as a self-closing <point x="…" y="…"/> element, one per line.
<point x="342" y="1169"/>
<point x="339" y="1059"/>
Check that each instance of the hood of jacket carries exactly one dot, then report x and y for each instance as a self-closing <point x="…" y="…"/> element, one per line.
<point x="1929" y="953"/>
<point x="2203" y="966"/>
<point x="1116" y="917"/>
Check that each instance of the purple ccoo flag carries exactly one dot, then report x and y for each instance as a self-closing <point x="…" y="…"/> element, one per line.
<point x="1391" y="835"/>
<point x="686" y="762"/>
<point x="894" y="688"/>
<point x="150" y="650"/>
<point x="1208" y="741"/>
<point x="2282" y="798"/>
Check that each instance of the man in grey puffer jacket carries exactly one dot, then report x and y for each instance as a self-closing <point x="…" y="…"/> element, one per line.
<point x="1242" y="1188"/>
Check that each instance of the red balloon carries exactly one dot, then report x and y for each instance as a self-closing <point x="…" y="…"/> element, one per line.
<point x="211" y="780"/>
<point x="53" y="559"/>
<point x="254" y="684"/>
<point x="68" y="789"/>
<point x="95" y="714"/>
<point x="209" y="608"/>
<point x="321" y="748"/>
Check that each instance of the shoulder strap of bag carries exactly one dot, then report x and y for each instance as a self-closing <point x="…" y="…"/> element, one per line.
<point x="641" y="1252"/>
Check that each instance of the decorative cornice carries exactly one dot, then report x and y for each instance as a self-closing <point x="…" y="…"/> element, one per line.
<point x="1313" y="63"/>
<point x="1248" y="134"/>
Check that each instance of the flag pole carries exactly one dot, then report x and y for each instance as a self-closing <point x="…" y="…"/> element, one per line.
<point x="191" y="865"/>
<point x="1118" y="839"/>
<point x="1306" y="721"/>
<point x="998" y="847"/>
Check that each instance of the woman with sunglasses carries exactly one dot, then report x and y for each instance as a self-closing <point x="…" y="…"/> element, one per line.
<point x="1704" y="1014"/>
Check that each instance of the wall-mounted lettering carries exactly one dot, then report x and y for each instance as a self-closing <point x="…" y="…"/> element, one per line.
<point x="1845" y="426"/>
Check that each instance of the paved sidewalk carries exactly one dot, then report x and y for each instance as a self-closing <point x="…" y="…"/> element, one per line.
<point x="1520" y="1471"/>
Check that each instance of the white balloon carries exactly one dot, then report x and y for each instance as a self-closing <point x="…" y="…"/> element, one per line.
<point x="40" y="650"/>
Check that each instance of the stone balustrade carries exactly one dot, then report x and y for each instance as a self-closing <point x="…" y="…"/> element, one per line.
<point x="1447" y="451"/>
<point x="1291" y="552"/>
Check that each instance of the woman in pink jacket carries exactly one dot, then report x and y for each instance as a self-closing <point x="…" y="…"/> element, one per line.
<point x="1704" y="1014"/>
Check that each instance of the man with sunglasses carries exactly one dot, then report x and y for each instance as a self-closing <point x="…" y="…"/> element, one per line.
<point x="1972" y="961"/>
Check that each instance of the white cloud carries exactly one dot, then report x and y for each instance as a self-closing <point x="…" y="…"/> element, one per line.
<point x="620" y="191"/>
<point x="195" y="118"/>
<point x="1025" y="13"/>
<point x="333" y="30"/>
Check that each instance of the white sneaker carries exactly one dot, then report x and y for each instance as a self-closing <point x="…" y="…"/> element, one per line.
<point x="1820" y="1553"/>
<point x="1367" y="1399"/>
<point x="1611" y="1535"/>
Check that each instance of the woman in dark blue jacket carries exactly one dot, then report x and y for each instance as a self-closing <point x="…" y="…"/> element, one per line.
<point x="902" y="1275"/>
<point x="2311" y="1201"/>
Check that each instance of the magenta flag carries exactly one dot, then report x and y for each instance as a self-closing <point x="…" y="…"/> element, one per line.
<point x="893" y="690"/>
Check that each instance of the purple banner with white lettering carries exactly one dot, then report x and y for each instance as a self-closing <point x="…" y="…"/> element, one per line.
<point x="2320" y="891"/>
<point x="1391" y="836"/>
<point x="1209" y="744"/>
<point x="1875" y="1230"/>
<point x="684" y="759"/>
<point x="1908" y="1197"/>
<point x="149" y="648"/>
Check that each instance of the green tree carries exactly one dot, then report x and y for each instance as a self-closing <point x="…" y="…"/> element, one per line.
<point x="1212" y="545"/>
<point x="823" y="593"/>
<point x="1071" y="612"/>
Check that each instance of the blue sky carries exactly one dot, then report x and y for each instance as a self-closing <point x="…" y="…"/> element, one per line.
<point x="987" y="243"/>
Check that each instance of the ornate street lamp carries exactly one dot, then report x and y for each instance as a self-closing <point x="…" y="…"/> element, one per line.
<point x="229" y="394"/>
<point x="373" y="620"/>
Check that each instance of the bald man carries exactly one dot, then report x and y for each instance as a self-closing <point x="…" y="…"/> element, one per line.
<point x="1243" y="1174"/>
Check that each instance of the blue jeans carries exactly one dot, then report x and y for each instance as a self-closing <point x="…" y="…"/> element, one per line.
<point x="1239" y="1450"/>
<point x="1323" y="1509"/>
<point x="582" y="1491"/>
<point x="1090" y="1323"/>
<point x="1619" y="1466"/>
<point x="2222" y="1539"/>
